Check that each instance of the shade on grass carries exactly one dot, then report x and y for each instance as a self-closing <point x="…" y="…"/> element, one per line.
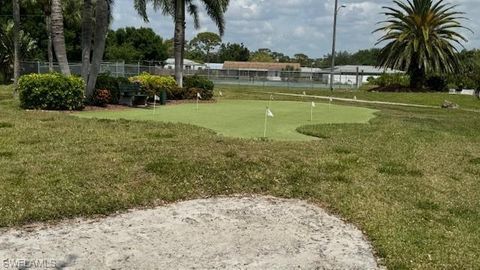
<point x="245" y="119"/>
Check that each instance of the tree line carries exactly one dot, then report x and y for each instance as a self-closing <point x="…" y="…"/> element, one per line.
<point x="422" y="38"/>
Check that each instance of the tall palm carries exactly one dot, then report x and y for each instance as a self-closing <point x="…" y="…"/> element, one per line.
<point x="102" y="21"/>
<point x="16" y="40"/>
<point x="177" y="9"/>
<point x="58" y="36"/>
<point x="8" y="48"/>
<point x="87" y="33"/>
<point x="422" y="36"/>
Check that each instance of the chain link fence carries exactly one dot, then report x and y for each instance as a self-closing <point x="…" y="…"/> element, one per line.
<point x="279" y="78"/>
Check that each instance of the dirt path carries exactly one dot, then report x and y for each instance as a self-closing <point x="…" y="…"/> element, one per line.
<point x="231" y="233"/>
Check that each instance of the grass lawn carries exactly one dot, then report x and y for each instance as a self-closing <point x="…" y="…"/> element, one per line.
<point x="409" y="178"/>
<point x="246" y="118"/>
<point x="431" y="99"/>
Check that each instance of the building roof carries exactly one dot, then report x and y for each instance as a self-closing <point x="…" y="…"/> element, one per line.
<point x="365" y="69"/>
<point x="259" y="65"/>
<point x="187" y="62"/>
<point x="214" y="66"/>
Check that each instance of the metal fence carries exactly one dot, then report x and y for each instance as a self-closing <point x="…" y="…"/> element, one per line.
<point x="294" y="79"/>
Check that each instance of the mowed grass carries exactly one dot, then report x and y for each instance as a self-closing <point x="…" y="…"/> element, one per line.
<point x="246" y="118"/>
<point x="409" y="178"/>
<point x="430" y="99"/>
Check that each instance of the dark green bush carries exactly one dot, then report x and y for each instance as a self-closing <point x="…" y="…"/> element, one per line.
<point x="51" y="91"/>
<point x="437" y="83"/>
<point x="198" y="84"/>
<point x="110" y="83"/>
<point x="386" y="79"/>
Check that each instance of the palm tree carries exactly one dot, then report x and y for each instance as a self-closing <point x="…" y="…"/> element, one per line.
<point x="9" y="52"/>
<point x="102" y="21"/>
<point x="177" y="9"/>
<point x="87" y="33"/>
<point x="58" y="36"/>
<point x="16" y="40"/>
<point x="422" y="36"/>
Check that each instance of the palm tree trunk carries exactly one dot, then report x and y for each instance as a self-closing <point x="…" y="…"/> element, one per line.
<point x="16" y="40"/>
<point x="87" y="29"/>
<point x="179" y="40"/>
<point x="58" y="37"/>
<point x="48" y="22"/>
<point x="102" y="20"/>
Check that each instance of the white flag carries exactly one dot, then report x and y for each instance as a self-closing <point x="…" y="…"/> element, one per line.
<point x="355" y="98"/>
<point x="331" y="99"/>
<point x="157" y="98"/>
<point x="199" y="96"/>
<point x="313" y="104"/>
<point x="304" y="93"/>
<point x="269" y="113"/>
<point x="220" y="93"/>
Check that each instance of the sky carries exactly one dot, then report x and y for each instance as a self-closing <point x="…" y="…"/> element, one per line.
<point x="292" y="26"/>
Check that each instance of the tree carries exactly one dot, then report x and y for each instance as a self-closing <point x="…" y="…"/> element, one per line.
<point x="421" y="38"/>
<point x="233" y="52"/>
<point x="87" y="34"/>
<point x="262" y="55"/>
<point x="303" y="59"/>
<point x="102" y="21"/>
<point x="58" y="36"/>
<point x="132" y="44"/>
<point x="16" y="40"/>
<point x="205" y="43"/>
<point x="26" y="45"/>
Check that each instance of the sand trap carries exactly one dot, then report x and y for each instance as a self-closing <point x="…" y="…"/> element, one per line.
<point x="232" y="233"/>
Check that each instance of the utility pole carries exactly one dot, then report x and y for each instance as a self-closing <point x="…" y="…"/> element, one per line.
<point x="332" y="71"/>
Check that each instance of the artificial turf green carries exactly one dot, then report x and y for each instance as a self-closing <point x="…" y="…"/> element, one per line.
<point x="246" y="118"/>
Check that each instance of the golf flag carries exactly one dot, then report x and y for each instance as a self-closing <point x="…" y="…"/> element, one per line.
<point x="314" y="105"/>
<point x="156" y="98"/>
<point x="269" y="113"/>
<point x="331" y="99"/>
<point x="355" y="98"/>
<point x="304" y="93"/>
<point x="199" y="96"/>
<point x="220" y="93"/>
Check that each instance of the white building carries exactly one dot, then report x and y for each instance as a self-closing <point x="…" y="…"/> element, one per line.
<point x="187" y="64"/>
<point x="350" y="73"/>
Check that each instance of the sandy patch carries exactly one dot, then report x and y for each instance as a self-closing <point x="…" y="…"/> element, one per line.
<point x="231" y="233"/>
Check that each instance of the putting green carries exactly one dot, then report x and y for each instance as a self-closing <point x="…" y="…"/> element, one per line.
<point x="245" y="118"/>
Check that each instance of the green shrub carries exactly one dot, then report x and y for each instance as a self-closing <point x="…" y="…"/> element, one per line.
<point x="199" y="84"/>
<point x="153" y="84"/>
<point x="437" y="83"/>
<point x="51" y="91"/>
<point x="110" y="83"/>
<point x="387" y="79"/>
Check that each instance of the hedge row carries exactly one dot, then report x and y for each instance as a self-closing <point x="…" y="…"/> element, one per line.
<point x="54" y="91"/>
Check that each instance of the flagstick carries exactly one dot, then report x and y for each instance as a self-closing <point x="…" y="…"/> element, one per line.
<point x="154" y="104"/>
<point x="311" y="113"/>
<point x="266" y="119"/>
<point x="270" y="101"/>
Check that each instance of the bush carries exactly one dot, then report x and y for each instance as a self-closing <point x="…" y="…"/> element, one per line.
<point x="51" y="91"/>
<point x="437" y="83"/>
<point x="199" y="84"/>
<point x="111" y="84"/>
<point x="101" y="98"/>
<point x="387" y="79"/>
<point x="153" y="84"/>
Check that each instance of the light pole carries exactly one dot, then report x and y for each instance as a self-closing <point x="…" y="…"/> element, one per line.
<point x="337" y="9"/>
